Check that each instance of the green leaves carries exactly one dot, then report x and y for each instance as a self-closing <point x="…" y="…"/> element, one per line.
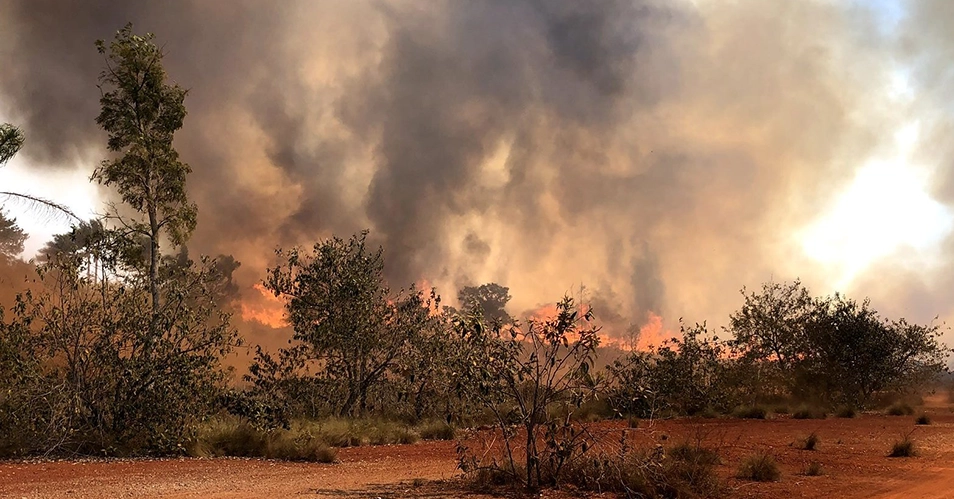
<point x="11" y="140"/>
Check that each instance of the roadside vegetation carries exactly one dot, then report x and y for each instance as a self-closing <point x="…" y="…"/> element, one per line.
<point x="118" y="348"/>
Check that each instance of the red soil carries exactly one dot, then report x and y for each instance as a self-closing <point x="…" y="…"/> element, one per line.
<point x="852" y="452"/>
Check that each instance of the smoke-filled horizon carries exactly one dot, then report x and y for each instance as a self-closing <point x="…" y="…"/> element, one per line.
<point x="662" y="153"/>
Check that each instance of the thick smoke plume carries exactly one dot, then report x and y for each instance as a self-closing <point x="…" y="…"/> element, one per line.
<point x="662" y="153"/>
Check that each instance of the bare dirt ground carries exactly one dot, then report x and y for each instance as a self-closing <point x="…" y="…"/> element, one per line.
<point x="853" y="453"/>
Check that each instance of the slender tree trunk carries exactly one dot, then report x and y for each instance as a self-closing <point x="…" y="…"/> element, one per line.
<point x="153" y="272"/>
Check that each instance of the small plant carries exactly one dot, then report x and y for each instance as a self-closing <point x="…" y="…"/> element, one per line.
<point x="436" y="430"/>
<point x="900" y="409"/>
<point x="759" y="467"/>
<point x="750" y="412"/>
<point x="810" y="442"/>
<point x="903" y="448"/>
<point x="694" y="453"/>
<point x="814" y="468"/>
<point x="805" y="412"/>
<point x="633" y="422"/>
<point x="781" y="409"/>
<point x="923" y="419"/>
<point x="845" y="411"/>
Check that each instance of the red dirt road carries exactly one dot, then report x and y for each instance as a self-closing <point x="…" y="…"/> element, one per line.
<point x="853" y="453"/>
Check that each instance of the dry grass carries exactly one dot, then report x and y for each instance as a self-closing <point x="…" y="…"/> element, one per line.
<point x="814" y="468"/>
<point x="810" y="442"/>
<point x="232" y="436"/>
<point x="903" y="448"/>
<point x="759" y="467"/>
<point x="900" y="409"/>
<point x="806" y="412"/>
<point x="750" y="412"/>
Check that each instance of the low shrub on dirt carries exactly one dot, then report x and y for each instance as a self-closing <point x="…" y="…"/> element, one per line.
<point x="695" y="453"/>
<point x="923" y="419"/>
<point x="810" y="442"/>
<point x="750" y="412"/>
<point x="684" y="471"/>
<point x="339" y="432"/>
<point x="806" y="412"/>
<point x="814" y="468"/>
<point x="759" y="467"/>
<point x="781" y="409"/>
<point x="232" y="436"/>
<point x="900" y="409"/>
<point x="845" y="411"/>
<point x="436" y="430"/>
<point x="903" y="448"/>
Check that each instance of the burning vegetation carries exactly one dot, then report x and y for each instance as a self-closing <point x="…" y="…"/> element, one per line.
<point x="117" y="346"/>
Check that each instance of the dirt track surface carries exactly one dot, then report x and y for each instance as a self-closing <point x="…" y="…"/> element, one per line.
<point x="853" y="453"/>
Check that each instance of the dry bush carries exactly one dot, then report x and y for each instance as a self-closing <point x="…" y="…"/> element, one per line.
<point x="900" y="409"/>
<point x="923" y="419"/>
<point x="806" y="412"/>
<point x="759" y="467"/>
<point x="904" y="448"/>
<point x="232" y="436"/>
<point x="436" y="430"/>
<point x="845" y="411"/>
<point x="810" y="442"/>
<point x="750" y="412"/>
<point x="814" y="468"/>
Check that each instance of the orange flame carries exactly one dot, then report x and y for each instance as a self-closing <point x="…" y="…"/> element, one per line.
<point x="266" y="308"/>
<point x="652" y="334"/>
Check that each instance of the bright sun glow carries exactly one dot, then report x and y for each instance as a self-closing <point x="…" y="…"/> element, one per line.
<point x="885" y="209"/>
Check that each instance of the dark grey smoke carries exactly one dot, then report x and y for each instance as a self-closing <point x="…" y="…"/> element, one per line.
<point x="662" y="152"/>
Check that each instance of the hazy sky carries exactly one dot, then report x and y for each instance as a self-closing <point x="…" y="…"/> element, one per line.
<point x="663" y="153"/>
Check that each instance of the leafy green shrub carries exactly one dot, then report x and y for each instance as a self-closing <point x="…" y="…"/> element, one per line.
<point x="759" y="467"/>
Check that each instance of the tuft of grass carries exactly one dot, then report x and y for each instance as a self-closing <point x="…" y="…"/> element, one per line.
<point x="810" y="442"/>
<point x="632" y="421"/>
<point x="707" y="413"/>
<point x="900" y="409"/>
<point x="289" y="446"/>
<point x="695" y="453"/>
<point x="339" y="432"/>
<point x="750" y="412"/>
<point x="903" y="448"/>
<point x="233" y="436"/>
<point x="814" y="468"/>
<point x="923" y="419"/>
<point x="781" y="409"/>
<point x="805" y="412"/>
<point x="436" y="430"/>
<point x="759" y="467"/>
<point x="845" y="411"/>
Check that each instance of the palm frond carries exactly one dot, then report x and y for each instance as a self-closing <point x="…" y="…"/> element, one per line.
<point x="40" y="206"/>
